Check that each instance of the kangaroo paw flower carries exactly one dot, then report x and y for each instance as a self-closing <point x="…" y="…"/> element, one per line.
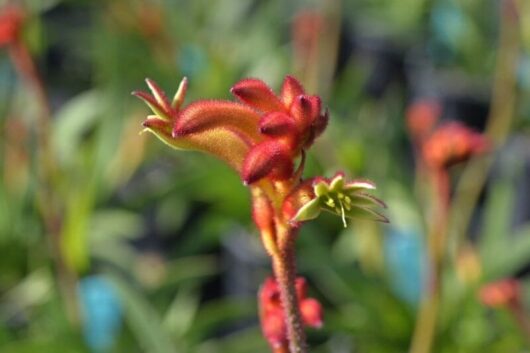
<point x="224" y="129"/>
<point x="292" y="119"/>
<point x="452" y="143"/>
<point x="269" y="158"/>
<point x="257" y="94"/>
<point x="291" y="89"/>
<point x="276" y="124"/>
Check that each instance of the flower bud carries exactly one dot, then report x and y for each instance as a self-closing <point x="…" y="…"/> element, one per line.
<point x="258" y="95"/>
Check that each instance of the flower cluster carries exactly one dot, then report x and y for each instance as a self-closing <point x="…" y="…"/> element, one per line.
<point x="289" y="123"/>
<point x="271" y="312"/>
<point x="259" y="138"/>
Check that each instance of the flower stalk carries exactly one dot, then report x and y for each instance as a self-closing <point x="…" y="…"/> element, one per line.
<point x="264" y="137"/>
<point x="438" y="149"/>
<point x="285" y="274"/>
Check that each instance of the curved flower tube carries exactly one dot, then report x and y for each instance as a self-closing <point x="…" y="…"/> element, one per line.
<point x="224" y="129"/>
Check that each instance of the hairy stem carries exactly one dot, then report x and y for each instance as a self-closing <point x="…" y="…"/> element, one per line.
<point x="285" y="273"/>
<point x="281" y="349"/>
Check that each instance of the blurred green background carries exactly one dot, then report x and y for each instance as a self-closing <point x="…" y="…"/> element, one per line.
<point x="112" y="242"/>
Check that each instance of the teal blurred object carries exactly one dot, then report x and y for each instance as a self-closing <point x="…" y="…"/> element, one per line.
<point x="102" y="312"/>
<point x="448" y="23"/>
<point x="404" y="254"/>
<point x="192" y="60"/>
<point x="448" y="26"/>
<point x="524" y="71"/>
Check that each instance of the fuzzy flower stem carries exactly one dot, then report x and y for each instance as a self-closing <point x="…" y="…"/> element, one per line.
<point x="423" y="337"/>
<point x="285" y="274"/>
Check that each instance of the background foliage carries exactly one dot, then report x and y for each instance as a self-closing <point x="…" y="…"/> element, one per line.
<point x="155" y="251"/>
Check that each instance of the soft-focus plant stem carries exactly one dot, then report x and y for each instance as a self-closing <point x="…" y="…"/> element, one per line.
<point x="47" y="175"/>
<point x="423" y="337"/>
<point x="499" y="122"/>
<point x="521" y="316"/>
<point x="285" y="272"/>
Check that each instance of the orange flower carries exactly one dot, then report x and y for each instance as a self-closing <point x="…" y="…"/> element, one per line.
<point x="421" y="118"/>
<point x="501" y="293"/>
<point x="11" y="19"/>
<point x="452" y="143"/>
<point x="290" y="123"/>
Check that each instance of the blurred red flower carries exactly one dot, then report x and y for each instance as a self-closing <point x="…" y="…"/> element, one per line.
<point x="501" y="293"/>
<point x="11" y="19"/>
<point x="452" y="143"/>
<point x="272" y="316"/>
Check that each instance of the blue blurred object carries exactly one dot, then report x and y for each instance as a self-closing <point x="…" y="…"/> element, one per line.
<point x="192" y="60"/>
<point x="404" y="256"/>
<point x="448" y="26"/>
<point x="102" y="312"/>
<point x="448" y="23"/>
<point x="524" y="71"/>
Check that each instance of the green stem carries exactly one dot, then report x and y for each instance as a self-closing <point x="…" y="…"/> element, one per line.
<point x="285" y="273"/>
<point x="518" y="311"/>
<point x="47" y="173"/>
<point x="499" y="123"/>
<point x="423" y="337"/>
<point x="426" y="321"/>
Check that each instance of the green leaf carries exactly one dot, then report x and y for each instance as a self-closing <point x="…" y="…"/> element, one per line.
<point x="142" y="318"/>
<point x="74" y="241"/>
<point x="72" y="122"/>
<point x="512" y="256"/>
<point x="181" y="313"/>
<point x="497" y="215"/>
<point x="191" y="267"/>
<point x="110" y="224"/>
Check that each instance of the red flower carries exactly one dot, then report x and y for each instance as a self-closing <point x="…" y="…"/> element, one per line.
<point x="259" y="138"/>
<point x="289" y="124"/>
<point x="11" y="18"/>
<point x="272" y="316"/>
<point x="501" y="293"/>
<point x="421" y="118"/>
<point x="224" y="129"/>
<point x="452" y="143"/>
